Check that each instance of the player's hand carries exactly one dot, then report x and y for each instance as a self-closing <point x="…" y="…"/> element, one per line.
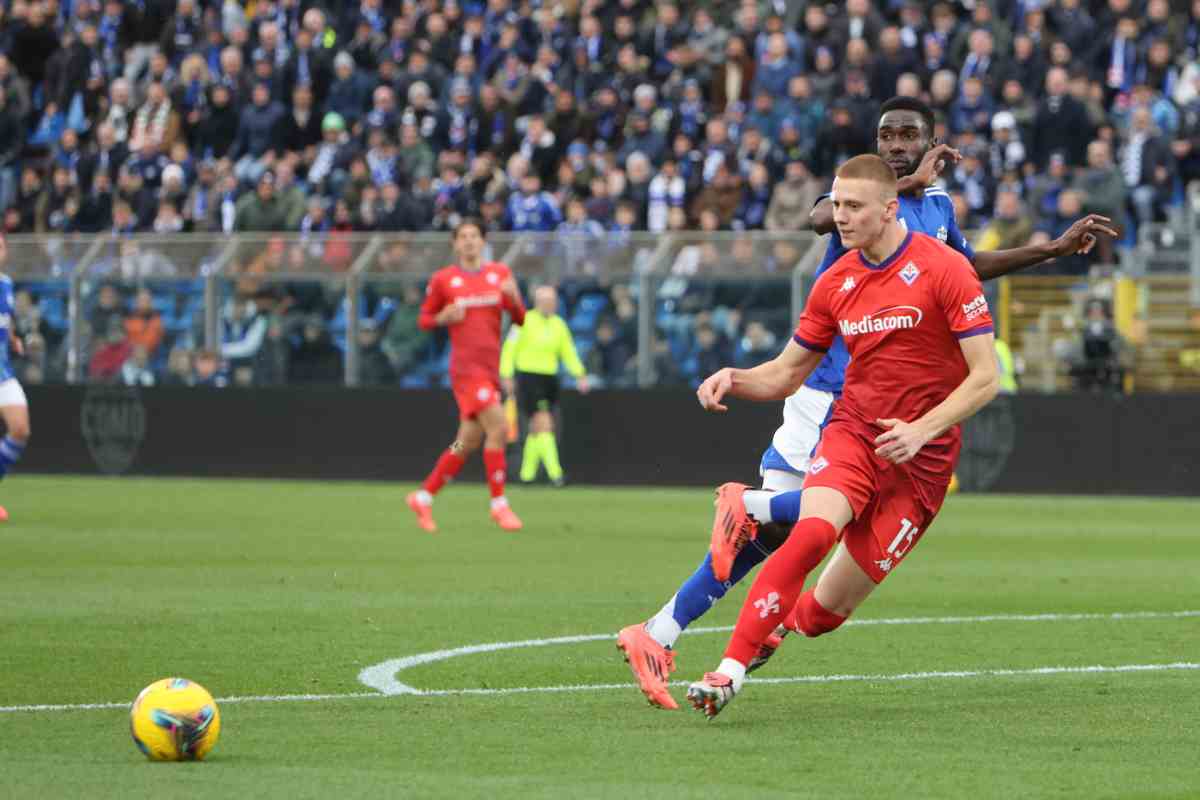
<point x="18" y="346"/>
<point x="1081" y="236"/>
<point x="714" y="389"/>
<point x="452" y="314"/>
<point x="583" y="384"/>
<point x="509" y="386"/>
<point x="901" y="441"/>
<point x="511" y="290"/>
<point x="936" y="160"/>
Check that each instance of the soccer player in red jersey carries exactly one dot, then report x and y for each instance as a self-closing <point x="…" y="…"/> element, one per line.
<point x="469" y="298"/>
<point x="914" y="318"/>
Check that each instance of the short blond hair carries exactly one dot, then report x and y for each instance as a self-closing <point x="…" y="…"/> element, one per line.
<point x="870" y="168"/>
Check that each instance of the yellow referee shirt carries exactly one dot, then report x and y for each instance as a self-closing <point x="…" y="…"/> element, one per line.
<point x="538" y="346"/>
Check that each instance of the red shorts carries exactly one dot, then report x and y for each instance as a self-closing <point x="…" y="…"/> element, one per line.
<point x="474" y="395"/>
<point x="892" y="506"/>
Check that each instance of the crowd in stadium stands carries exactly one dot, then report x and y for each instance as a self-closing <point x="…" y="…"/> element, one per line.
<point x="585" y="116"/>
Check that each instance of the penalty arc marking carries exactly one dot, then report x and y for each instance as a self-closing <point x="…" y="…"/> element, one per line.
<point x="382" y="677"/>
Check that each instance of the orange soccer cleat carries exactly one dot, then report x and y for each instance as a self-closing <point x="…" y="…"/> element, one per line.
<point x="424" y="512"/>
<point x="732" y="528"/>
<point x="651" y="663"/>
<point x="506" y="518"/>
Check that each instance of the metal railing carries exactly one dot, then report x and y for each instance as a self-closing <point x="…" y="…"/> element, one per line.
<point x="658" y="288"/>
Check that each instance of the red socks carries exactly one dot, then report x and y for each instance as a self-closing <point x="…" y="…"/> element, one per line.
<point x="494" y="464"/>
<point x="811" y="618"/>
<point x="778" y="586"/>
<point x="446" y="468"/>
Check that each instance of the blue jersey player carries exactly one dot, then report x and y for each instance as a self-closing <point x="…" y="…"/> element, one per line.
<point x="13" y="407"/>
<point x="762" y="519"/>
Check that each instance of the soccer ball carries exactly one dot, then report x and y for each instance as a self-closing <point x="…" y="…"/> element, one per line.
<point x="175" y="720"/>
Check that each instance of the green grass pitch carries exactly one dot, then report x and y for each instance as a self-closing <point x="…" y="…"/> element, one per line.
<point x="280" y="588"/>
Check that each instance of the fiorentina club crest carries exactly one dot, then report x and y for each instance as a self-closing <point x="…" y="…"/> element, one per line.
<point x="909" y="273"/>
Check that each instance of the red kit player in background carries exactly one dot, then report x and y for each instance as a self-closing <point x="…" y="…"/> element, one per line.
<point x="469" y="299"/>
<point x="913" y="316"/>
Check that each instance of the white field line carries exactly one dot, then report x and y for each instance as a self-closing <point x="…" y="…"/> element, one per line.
<point x="382" y="677"/>
<point x="595" y="687"/>
<point x="388" y="685"/>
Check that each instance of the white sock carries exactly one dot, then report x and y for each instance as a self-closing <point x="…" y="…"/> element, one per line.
<point x="758" y="504"/>
<point x="499" y="502"/>
<point x="736" y="671"/>
<point x="662" y="627"/>
<point x="424" y="498"/>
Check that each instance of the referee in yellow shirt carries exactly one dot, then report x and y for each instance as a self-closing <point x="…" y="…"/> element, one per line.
<point x="533" y="352"/>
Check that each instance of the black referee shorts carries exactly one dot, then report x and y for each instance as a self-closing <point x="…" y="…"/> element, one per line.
<point x="536" y="392"/>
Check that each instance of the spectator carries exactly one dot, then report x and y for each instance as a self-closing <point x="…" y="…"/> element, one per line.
<point x="144" y="325"/>
<point x="1007" y="152"/>
<point x="710" y="353"/>
<point x="110" y="355"/>
<point x="156" y="122"/>
<point x="202" y="209"/>
<point x="374" y="367"/>
<point x="403" y="340"/>
<point x="793" y="199"/>
<point x="1061" y="124"/>
<point x="751" y="213"/>
<point x="1148" y="167"/>
<point x="207" y="370"/>
<point x="757" y="346"/>
<point x="1070" y="205"/>
<point x="531" y="209"/>
<point x="350" y="92"/>
<point x="301" y="125"/>
<point x="1097" y="366"/>
<point x="314" y="358"/>
<point x="612" y="356"/>
<point x="262" y="210"/>
<point x="258" y="140"/>
<point x="243" y="330"/>
<point x="733" y="79"/>
<point x="1102" y="186"/>
<point x="1010" y="227"/>
<point x="137" y="371"/>
<point x="415" y="156"/>
<point x="777" y="68"/>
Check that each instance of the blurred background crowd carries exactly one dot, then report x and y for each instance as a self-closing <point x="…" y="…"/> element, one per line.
<point x="590" y="119"/>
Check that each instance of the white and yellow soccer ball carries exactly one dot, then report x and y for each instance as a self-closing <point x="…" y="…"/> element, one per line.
<point x="175" y="720"/>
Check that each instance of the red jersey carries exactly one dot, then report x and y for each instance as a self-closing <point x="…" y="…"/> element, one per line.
<point x="901" y="321"/>
<point x="474" y="342"/>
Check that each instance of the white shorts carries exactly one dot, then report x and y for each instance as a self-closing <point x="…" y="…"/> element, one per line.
<point x="804" y="415"/>
<point x="11" y="393"/>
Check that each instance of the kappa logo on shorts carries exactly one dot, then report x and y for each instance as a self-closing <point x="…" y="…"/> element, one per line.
<point x="767" y="605"/>
<point x="885" y="565"/>
<point x="483" y="394"/>
<point x="817" y="465"/>
<point x="910" y="273"/>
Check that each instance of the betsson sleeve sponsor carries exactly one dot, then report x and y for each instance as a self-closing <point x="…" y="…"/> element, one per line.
<point x="960" y="296"/>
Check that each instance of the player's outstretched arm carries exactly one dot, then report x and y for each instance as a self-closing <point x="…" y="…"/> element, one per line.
<point x="1079" y="238"/>
<point x="774" y="380"/>
<point x="903" y="439"/>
